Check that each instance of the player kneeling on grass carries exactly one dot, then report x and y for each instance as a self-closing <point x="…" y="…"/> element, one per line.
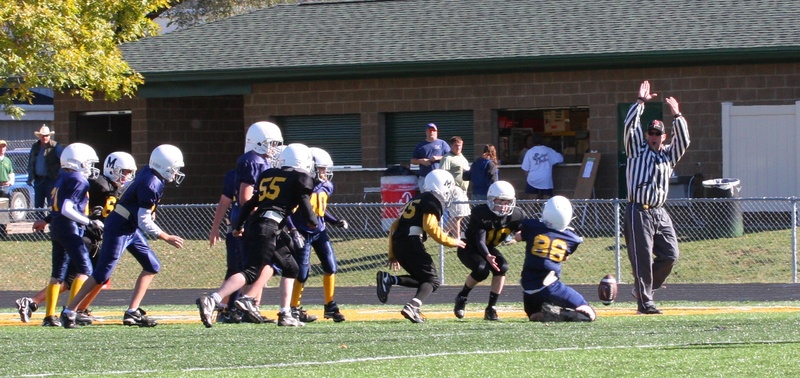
<point x="419" y="218"/>
<point x="548" y="242"/>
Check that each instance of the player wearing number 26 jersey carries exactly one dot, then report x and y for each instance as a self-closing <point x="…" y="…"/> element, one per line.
<point x="548" y="243"/>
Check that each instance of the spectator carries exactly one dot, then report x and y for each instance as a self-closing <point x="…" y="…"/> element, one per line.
<point x="428" y="154"/>
<point x="528" y="145"/>
<point x="44" y="163"/>
<point x="455" y="163"/>
<point x="484" y="172"/>
<point x="6" y="171"/>
<point x="538" y="162"/>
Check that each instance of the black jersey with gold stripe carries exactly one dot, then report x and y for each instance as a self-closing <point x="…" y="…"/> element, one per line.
<point x="496" y="228"/>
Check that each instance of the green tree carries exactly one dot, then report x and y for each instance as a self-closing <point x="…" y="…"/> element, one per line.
<point x="71" y="46"/>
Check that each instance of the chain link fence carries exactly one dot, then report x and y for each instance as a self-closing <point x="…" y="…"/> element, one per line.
<point x="723" y="240"/>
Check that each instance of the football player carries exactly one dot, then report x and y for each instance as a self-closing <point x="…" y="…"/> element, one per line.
<point x="278" y="191"/>
<point x="419" y="219"/>
<point x="118" y="168"/>
<point x="489" y="226"/>
<point x="125" y="229"/>
<point x="319" y="240"/>
<point x="262" y="144"/>
<point x="70" y="198"/>
<point x="548" y="243"/>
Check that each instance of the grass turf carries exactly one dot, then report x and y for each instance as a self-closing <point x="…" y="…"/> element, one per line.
<point x="734" y="342"/>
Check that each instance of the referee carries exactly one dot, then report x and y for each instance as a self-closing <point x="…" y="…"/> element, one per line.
<point x="649" y="233"/>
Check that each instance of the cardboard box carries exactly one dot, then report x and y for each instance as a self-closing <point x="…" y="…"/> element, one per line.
<point x="556" y="120"/>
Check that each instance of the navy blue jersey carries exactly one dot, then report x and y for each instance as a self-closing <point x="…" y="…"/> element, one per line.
<point x="546" y="248"/>
<point x="230" y="189"/>
<point x="281" y="191"/>
<point x="145" y="192"/>
<point x="319" y="203"/>
<point x="492" y="229"/>
<point x="249" y="166"/>
<point x="72" y="186"/>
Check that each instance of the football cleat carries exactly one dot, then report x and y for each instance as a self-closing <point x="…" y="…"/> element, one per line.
<point x="52" y="321"/>
<point x="332" y="312"/>
<point x="230" y="316"/>
<point x="461" y="305"/>
<point x="288" y="320"/>
<point x="490" y="313"/>
<point x="84" y="317"/>
<point x="206" y="305"/>
<point x="551" y="313"/>
<point x="384" y="284"/>
<point x="412" y="313"/>
<point x="249" y="308"/>
<point x="26" y="306"/>
<point x="67" y="320"/>
<point x="139" y="318"/>
<point x="302" y="315"/>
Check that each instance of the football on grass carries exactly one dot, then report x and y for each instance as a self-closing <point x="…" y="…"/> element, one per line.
<point x="607" y="289"/>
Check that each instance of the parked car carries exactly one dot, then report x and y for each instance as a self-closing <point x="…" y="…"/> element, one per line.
<point x="21" y="194"/>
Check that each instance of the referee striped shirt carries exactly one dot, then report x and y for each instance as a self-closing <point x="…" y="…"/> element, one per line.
<point x="648" y="171"/>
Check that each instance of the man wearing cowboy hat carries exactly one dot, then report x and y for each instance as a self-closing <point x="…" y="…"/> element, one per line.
<point x="43" y="165"/>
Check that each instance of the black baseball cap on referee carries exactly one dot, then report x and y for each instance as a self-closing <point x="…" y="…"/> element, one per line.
<point x="656" y="125"/>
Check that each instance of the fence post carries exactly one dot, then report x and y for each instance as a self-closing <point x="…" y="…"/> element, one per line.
<point x="617" y="242"/>
<point x="441" y="254"/>
<point x="794" y="239"/>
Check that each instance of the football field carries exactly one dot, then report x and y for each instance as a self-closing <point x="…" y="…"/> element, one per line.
<point x="690" y="339"/>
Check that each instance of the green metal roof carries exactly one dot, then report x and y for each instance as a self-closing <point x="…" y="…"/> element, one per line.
<point x="347" y="39"/>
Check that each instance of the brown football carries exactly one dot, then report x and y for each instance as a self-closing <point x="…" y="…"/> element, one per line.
<point x="607" y="289"/>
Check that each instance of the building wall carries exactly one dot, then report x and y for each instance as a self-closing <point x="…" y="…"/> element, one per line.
<point x="211" y="130"/>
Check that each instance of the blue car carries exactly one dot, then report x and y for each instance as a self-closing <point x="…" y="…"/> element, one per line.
<point x="21" y="194"/>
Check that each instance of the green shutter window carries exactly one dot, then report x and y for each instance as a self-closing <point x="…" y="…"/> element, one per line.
<point x="339" y="135"/>
<point x="405" y="130"/>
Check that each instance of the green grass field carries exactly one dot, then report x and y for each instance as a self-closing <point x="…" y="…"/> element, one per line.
<point x="730" y="343"/>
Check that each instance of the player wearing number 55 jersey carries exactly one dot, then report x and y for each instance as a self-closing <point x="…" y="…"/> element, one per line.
<point x="548" y="243"/>
<point x="489" y="226"/>
<point x="419" y="219"/>
<point x="261" y="222"/>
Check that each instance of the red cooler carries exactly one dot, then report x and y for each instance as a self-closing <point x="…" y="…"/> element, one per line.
<point x="396" y="189"/>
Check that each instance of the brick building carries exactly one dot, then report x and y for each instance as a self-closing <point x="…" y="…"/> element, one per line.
<point x="362" y="78"/>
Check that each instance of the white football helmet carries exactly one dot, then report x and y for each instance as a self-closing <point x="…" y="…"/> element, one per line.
<point x="167" y="161"/>
<point x="440" y="181"/>
<point x="322" y="160"/>
<point x="263" y="137"/>
<point x="81" y="158"/>
<point x="557" y="213"/>
<point x="298" y="156"/>
<point x="115" y="163"/>
<point x="502" y="190"/>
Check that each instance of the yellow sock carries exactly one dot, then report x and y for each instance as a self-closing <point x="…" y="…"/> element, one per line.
<point x="329" y="286"/>
<point x="51" y="297"/>
<point x="297" y="293"/>
<point x="77" y="283"/>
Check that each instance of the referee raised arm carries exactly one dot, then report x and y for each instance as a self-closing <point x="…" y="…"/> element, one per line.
<point x="649" y="233"/>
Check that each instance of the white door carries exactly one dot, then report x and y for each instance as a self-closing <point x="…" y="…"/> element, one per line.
<point x="760" y="148"/>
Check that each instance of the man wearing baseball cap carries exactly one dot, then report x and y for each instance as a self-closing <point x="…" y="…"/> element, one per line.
<point x="649" y="232"/>
<point x="6" y="171"/>
<point x="428" y="154"/>
<point x="44" y="163"/>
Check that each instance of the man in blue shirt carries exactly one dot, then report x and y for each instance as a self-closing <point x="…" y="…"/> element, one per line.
<point x="428" y="154"/>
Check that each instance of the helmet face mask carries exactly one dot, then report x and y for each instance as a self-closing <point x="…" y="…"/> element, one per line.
<point x="501" y="198"/>
<point x="167" y="161"/>
<point x="323" y="164"/>
<point x="557" y="213"/>
<point x="441" y="182"/>
<point x="81" y="158"/>
<point x="263" y="138"/>
<point x="120" y="167"/>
